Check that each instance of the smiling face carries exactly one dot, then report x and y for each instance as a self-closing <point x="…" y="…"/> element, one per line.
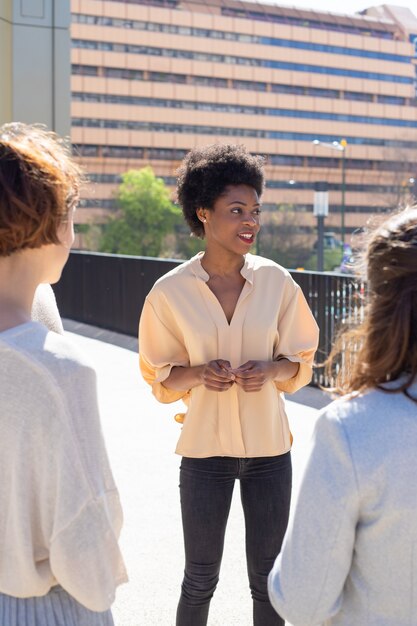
<point x="233" y="223"/>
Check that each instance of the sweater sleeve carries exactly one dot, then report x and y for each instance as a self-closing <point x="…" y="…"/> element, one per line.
<point x="85" y="557"/>
<point x="161" y="347"/>
<point x="307" y="580"/>
<point x="84" y="503"/>
<point x="298" y="336"/>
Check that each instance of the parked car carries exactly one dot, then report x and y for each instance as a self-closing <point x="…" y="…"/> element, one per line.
<point x="330" y="241"/>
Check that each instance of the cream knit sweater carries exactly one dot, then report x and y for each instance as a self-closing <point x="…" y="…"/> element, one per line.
<point x="60" y="515"/>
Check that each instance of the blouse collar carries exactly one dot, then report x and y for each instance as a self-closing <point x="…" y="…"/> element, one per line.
<point x="246" y="271"/>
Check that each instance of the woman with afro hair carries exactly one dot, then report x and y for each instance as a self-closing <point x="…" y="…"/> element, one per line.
<point x="228" y="332"/>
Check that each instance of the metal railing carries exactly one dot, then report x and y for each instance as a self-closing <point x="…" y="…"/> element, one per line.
<point x="108" y="291"/>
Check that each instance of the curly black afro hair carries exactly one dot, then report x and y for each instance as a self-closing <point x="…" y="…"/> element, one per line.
<point x="206" y="172"/>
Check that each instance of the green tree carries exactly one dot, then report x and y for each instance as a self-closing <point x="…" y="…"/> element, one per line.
<point x="145" y="216"/>
<point x="186" y="245"/>
<point x="332" y="258"/>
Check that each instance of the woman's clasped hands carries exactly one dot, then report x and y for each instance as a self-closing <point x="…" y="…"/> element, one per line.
<point x="218" y="375"/>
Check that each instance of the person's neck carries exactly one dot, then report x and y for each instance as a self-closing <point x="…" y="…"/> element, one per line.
<point x="18" y="283"/>
<point x="222" y="264"/>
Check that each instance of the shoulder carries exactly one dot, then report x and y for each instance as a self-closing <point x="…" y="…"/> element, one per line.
<point x="177" y="273"/>
<point x="356" y="405"/>
<point x="262" y="264"/>
<point x="31" y="391"/>
<point x="178" y="279"/>
<point x="264" y="268"/>
<point x="363" y="417"/>
<point x="37" y="352"/>
<point x="269" y="275"/>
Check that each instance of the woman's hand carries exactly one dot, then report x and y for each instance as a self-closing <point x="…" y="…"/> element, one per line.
<point x="252" y="375"/>
<point x="217" y="375"/>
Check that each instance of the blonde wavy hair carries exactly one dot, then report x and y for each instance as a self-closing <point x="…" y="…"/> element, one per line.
<point x="383" y="347"/>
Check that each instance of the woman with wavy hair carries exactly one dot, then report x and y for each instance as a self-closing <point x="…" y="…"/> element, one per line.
<point x="350" y="552"/>
<point x="60" y="513"/>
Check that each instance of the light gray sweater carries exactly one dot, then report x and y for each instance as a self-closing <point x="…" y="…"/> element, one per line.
<point x="350" y="553"/>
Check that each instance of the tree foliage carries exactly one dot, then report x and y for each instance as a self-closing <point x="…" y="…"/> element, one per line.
<point x="145" y="216"/>
<point x="332" y="258"/>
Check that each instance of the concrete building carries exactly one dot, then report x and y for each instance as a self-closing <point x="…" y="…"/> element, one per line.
<point x="153" y="78"/>
<point x="35" y="63"/>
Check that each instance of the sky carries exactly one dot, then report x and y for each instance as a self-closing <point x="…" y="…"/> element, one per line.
<point x="347" y="6"/>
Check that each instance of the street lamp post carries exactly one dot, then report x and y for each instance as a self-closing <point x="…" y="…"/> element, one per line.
<point x="341" y="147"/>
<point x="320" y="210"/>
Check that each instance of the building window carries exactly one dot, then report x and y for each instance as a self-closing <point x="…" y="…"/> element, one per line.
<point x="235" y="132"/>
<point x="239" y="109"/>
<point x="230" y="59"/>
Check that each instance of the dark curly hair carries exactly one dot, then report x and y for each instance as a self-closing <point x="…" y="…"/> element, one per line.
<point x="206" y="172"/>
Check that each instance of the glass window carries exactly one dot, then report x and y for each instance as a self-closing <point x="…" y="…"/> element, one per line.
<point x="356" y="95"/>
<point x="322" y="93"/>
<point x="84" y="70"/>
<point x="86" y="150"/>
<point x="291" y="89"/>
<point x="391" y="100"/>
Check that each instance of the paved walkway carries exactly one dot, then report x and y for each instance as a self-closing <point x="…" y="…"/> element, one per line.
<point x="141" y="436"/>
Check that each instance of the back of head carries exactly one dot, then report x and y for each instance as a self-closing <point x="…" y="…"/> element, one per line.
<point x="391" y="255"/>
<point x="39" y="185"/>
<point x="384" y="347"/>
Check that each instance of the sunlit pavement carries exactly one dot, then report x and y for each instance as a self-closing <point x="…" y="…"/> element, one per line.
<point x="141" y="435"/>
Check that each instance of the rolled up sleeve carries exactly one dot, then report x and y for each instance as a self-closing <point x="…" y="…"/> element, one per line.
<point x="298" y="336"/>
<point x="160" y="349"/>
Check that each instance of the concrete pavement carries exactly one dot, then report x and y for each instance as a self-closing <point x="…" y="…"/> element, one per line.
<point x="141" y="435"/>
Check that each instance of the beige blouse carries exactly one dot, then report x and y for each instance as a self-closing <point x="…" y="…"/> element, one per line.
<point x="183" y="324"/>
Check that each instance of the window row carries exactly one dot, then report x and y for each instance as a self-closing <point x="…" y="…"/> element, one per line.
<point x="271" y="184"/>
<point x="85" y="122"/>
<point x="174" y="154"/>
<point x="237" y="109"/>
<point x="209" y="81"/>
<point x="370" y="30"/>
<point x="101" y="20"/>
<point x="111" y="204"/>
<point x="236" y="60"/>
<point x="322" y="24"/>
<point x="385" y="189"/>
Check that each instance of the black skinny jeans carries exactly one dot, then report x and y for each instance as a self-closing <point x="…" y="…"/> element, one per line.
<point x="206" y="487"/>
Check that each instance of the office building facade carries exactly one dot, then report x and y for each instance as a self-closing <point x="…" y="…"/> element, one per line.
<point x="325" y="97"/>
